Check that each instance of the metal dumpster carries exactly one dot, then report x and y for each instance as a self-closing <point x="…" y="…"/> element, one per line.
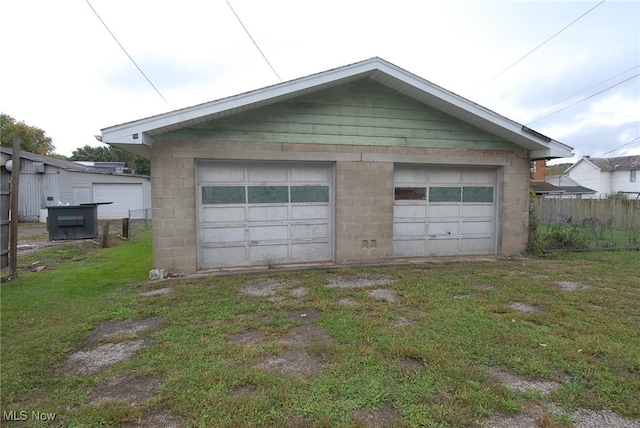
<point x="73" y="221"/>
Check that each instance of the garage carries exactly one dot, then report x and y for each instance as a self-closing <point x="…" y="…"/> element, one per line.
<point x="125" y="197"/>
<point x="442" y="211"/>
<point x="264" y="213"/>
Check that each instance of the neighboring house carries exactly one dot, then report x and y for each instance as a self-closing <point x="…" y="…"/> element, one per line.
<point x="569" y="188"/>
<point x="555" y="186"/>
<point x="46" y="181"/>
<point x="362" y="163"/>
<point x="608" y="176"/>
<point x="539" y="170"/>
<point x="548" y="190"/>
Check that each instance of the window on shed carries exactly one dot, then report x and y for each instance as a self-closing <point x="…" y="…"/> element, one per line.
<point x="633" y="175"/>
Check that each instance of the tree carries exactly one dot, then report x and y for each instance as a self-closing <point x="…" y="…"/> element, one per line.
<point x="111" y="154"/>
<point x="96" y="154"/>
<point x="32" y="139"/>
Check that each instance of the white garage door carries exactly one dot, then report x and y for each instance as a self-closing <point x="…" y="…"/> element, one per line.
<point x="264" y="213"/>
<point x="125" y="197"/>
<point x="444" y="211"/>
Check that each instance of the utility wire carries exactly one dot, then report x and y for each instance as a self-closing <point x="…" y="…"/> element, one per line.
<point x="579" y="92"/>
<point x="584" y="99"/>
<point x="254" y="42"/>
<point x="630" y="143"/>
<point x="536" y="48"/>
<point x="127" y="54"/>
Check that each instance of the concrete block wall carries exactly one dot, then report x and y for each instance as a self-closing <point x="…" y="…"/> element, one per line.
<point x="364" y="211"/>
<point x="363" y="226"/>
<point x="174" y="210"/>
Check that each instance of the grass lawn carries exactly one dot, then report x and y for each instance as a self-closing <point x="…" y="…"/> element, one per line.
<point x="421" y="345"/>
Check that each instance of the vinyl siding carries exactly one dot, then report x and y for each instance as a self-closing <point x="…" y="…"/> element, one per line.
<point x="357" y="113"/>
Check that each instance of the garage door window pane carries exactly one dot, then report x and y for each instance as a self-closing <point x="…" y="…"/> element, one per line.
<point x="477" y="194"/>
<point x="268" y="194"/>
<point x="223" y="195"/>
<point x="309" y="193"/>
<point x="444" y="194"/>
<point x="410" y="193"/>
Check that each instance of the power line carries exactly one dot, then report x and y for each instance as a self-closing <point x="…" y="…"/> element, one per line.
<point x="629" y="143"/>
<point x="254" y="42"/>
<point x="127" y="54"/>
<point x="579" y="92"/>
<point x="536" y="48"/>
<point x="584" y="99"/>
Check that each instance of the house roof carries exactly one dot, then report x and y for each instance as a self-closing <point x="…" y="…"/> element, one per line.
<point x="137" y="136"/>
<point x="622" y="163"/>
<point x="64" y="164"/>
<point x="58" y="163"/>
<point x="543" y="187"/>
<point x="568" y="186"/>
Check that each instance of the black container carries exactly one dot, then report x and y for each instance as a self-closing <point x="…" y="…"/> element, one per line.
<point x="73" y="222"/>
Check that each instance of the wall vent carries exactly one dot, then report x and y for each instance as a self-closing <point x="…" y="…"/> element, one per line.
<point x="38" y="167"/>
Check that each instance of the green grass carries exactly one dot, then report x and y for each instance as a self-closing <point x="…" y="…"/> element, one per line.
<point x="460" y="325"/>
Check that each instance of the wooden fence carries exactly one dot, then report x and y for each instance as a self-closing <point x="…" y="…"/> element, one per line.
<point x="620" y="214"/>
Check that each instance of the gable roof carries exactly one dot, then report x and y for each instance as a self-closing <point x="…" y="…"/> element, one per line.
<point x="621" y="163"/>
<point x="137" y="136"/>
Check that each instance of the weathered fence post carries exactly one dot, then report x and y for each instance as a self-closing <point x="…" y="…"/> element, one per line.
<point x="125" y="228"/>
<point x="13" y="232"/>
<point x="105" y="236"/>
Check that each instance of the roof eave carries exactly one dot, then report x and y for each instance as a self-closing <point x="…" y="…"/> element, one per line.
<point x="130" y="136"/>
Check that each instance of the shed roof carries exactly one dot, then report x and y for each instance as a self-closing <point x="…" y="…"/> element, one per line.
<point x="137" y="136"/>
<point x="58" y="163"/>
<point x="64" y="164"/>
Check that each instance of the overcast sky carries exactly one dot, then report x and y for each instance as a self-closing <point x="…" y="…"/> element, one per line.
<point x="62" y="70"/>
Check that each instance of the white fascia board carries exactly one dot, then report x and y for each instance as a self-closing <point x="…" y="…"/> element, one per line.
<point x="176" y="119"/>
<point x="541" y="147"/>
<point x="139" y="132"/>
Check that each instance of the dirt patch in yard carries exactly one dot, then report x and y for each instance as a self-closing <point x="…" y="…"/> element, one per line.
<point x="126" y="387"/>
<point x="386" y="416"/>
<point x="360" y="280"/>
<point x="161" y="418"/>
<point x="383" y="294"/>
<point x="102" y="356"/>
<point x="110" y="329"/>
<point x="295" y="357"/>
<point x="572" y="286"/>
<point x="523" y="308"/>
<point x="158" y="292"/>
<point x="514" y="382"/>
<point x="263" y="287"/>
<point x="535" y="417"/>
<point x="410" y="365"/>
<point x="97" y="357"/>
<point x="297" y="351"/>
<point x="248" y="338"/>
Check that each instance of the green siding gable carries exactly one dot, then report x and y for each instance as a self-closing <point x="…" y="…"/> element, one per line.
<point x="359" y="113"/>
